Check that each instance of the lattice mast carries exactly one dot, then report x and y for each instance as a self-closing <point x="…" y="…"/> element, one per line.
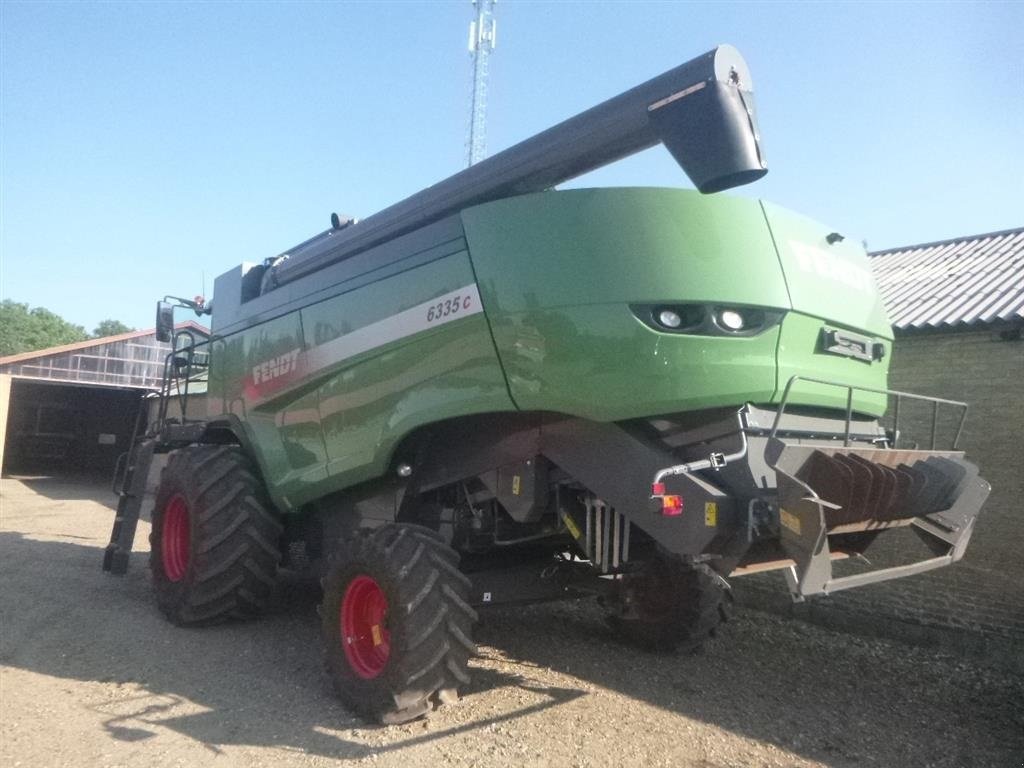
<point x="481" y="42"/>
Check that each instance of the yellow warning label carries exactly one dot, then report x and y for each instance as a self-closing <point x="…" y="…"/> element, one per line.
<point x="790" y="520"/>
<point x="573" y="528"/>
<point x="711" y="513"/>
<point x="375" y="632"/>
<point x="515" y="485"/>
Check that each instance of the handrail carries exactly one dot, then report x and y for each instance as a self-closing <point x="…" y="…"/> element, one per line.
<point x="172" y="373"/>
<point x="936" y="402"/>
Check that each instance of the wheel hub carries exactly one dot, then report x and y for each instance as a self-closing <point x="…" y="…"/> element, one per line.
<point x="364" y="635"/>
<point x="176" y="538"/>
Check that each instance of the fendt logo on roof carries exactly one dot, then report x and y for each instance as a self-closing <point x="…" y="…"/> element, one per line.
<point x="832" y="267"/>
<point x="276" y="367"/>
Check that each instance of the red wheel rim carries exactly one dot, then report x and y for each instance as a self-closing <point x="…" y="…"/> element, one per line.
<point x="364" y="636"/>
<point x="174" y="543"/>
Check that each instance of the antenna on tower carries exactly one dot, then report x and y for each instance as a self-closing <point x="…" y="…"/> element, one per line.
<point x="481" y="42"/>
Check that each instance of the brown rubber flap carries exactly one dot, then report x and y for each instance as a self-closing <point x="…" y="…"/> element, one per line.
<point x="956" y="473"/>
<point x="887" y="505"/>
<point x="901" y="496"/>
<point x="873" y="504"/>
<point x="949" y="517"/>
<point x="863" y="482"/>
<point x="918" y="480"/>
<point x="936" y="486"/>
<point x="830" y="479"/>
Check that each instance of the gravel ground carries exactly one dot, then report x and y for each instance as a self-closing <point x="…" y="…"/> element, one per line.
<point x="92" y="675"/>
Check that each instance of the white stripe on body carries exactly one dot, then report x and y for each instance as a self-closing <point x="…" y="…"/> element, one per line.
<point x="453" y="305"/>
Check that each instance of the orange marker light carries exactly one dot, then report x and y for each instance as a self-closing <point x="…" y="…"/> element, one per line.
<point x="671" y="506"/>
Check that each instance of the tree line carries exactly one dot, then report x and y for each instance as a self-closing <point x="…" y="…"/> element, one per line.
<point x="25" y="329"/>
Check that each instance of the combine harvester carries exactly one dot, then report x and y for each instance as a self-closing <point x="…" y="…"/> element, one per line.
<point x="493" y="392"/>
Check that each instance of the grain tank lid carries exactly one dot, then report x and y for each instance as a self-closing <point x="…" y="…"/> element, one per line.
<point x="702" y="111"/>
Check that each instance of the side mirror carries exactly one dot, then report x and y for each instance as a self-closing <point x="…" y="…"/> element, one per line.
<point x="164" y="321"/>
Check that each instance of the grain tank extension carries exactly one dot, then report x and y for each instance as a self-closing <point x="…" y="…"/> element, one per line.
<point x="495" y="392"/>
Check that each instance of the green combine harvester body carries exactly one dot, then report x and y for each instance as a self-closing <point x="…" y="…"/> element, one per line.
<point x="542" y="303"/>
<point x="495" y="392"/>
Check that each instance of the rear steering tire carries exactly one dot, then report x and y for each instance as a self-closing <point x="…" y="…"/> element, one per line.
<point x="397" y="624"/>
<point x="214" y="546"/>
<point x="668" y="606"/>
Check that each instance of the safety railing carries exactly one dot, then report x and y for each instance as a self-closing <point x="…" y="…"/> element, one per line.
<point x="181" y="366"/>
<point x="900" y="396"/>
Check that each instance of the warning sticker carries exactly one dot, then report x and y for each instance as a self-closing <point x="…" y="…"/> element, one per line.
<point x="571" y="525"/>
<point x="790" y="520"/>
<point x="711" y="513"/>
<point x="378" y="638"/>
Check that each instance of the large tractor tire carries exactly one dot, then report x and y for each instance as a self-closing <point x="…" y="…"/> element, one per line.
<point x="214" y="546"/>
<point x="667" y="606"/>
<point x="397" y="624"/>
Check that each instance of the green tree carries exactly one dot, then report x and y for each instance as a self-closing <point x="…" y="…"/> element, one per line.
<point x="25" y="330"/>
<point x="110" y="328"/>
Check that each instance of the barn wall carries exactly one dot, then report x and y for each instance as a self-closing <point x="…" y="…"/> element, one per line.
<point x="5" y="396"/>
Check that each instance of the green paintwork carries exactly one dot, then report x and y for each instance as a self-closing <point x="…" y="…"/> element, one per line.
<point x="833" y="282"/>
<point x="558" y="273"/>
<point x="606" y="246"/>
<point x="599" y="362"/>
<point x="798" y="356"/>
<point x="336" y="426"/>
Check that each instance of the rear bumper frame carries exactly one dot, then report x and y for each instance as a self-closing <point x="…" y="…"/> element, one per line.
<point x="826" y="486"/>
<point x="804" y="514"/>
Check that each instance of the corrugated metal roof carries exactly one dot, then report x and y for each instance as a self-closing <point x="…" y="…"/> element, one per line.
<point x="88" y="343"/>
<point x="135" y="359"/>
<point x="964" y="281"/>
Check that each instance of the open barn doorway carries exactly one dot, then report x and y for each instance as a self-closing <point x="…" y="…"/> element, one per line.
<point x="59" y="429"/>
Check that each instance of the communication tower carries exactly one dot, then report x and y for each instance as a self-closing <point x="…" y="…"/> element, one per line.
<point x="481" y="42"/>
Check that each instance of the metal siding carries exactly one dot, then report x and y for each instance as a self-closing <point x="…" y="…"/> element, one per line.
<point x="965" y="281"/>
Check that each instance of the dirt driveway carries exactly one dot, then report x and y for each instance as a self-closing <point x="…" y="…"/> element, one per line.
<point x="93" y="676"/>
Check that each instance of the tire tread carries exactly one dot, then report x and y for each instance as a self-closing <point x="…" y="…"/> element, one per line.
<point x="234" y="539"/>
<point x="430" y="621"/>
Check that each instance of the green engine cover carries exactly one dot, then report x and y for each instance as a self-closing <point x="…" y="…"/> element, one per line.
<point x="562" y="273"/>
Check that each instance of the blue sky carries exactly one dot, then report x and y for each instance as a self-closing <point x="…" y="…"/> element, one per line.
<point x="145" y="145"/>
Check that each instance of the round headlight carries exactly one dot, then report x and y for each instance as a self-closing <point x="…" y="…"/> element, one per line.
<point x="731" y="320"/>
<point x="669" y="319"/>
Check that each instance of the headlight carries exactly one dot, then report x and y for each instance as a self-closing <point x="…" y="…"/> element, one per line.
<point x="705" y="320"/>
<point x="739" y="320"/>
<point x="731" y="320"/>
<point x="670" y="319"/>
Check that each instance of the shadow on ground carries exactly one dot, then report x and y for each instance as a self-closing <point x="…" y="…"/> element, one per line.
<point x="256" y="684"/>
<point x="78" y="485"/>
<point x="828" y="697"/>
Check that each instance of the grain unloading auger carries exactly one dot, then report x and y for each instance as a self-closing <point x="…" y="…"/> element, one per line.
<point x="464" y="400"/>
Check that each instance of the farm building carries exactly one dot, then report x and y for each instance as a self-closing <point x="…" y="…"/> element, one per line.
<point x="74" y="407"/>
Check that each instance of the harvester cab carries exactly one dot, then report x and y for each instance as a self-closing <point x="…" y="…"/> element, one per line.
<point x="427" y="408"/>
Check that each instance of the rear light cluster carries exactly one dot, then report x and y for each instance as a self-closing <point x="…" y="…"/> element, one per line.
<point x="671" y="505"/>
<point x="707" y="319"/>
